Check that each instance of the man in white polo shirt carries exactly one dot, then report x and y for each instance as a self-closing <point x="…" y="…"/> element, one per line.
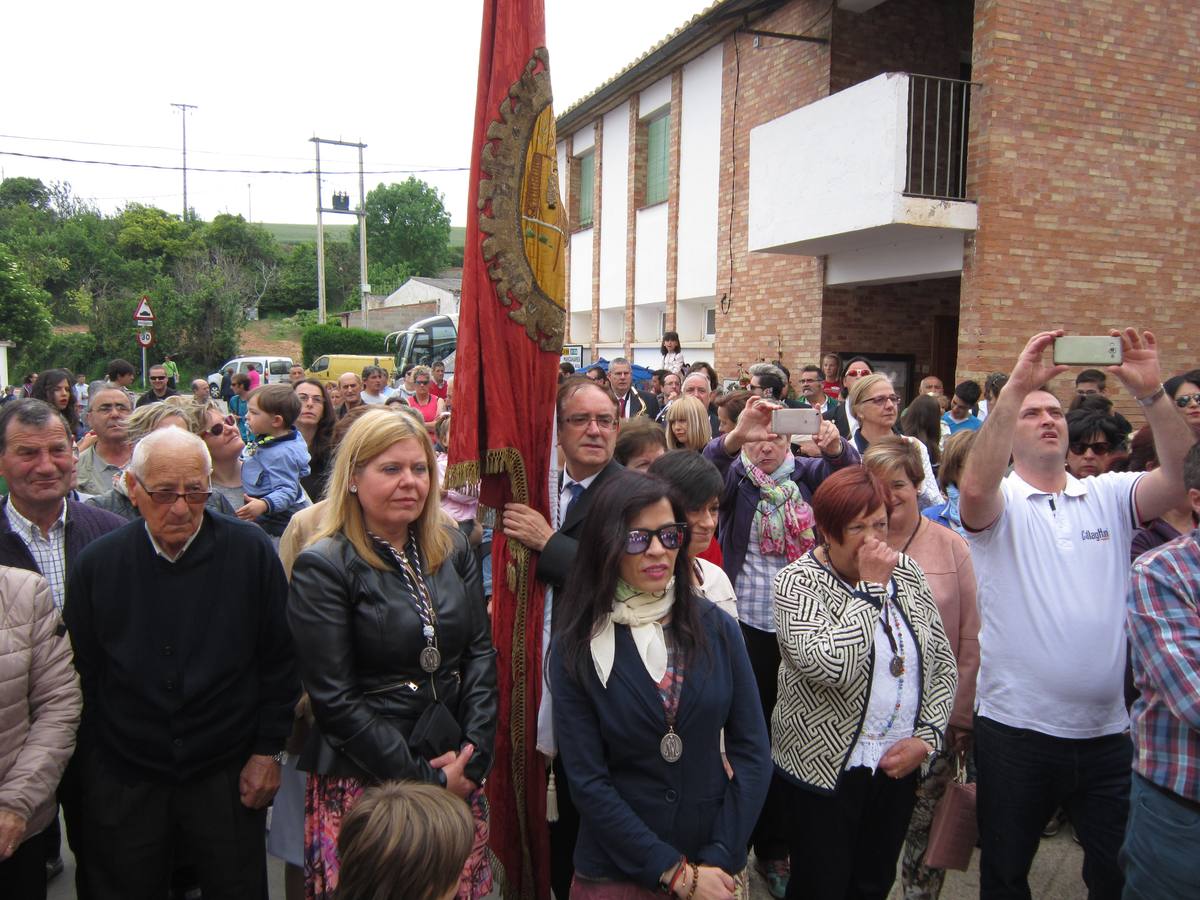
<point x="1051" y="555"/>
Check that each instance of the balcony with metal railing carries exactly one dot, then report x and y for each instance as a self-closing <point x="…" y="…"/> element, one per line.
<point x="872" y="177"/>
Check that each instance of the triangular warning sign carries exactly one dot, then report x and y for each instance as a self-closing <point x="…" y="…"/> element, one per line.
<point x="143" y="310"/>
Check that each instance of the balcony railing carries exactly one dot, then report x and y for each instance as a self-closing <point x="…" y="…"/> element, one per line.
<point x="938" y="112"/>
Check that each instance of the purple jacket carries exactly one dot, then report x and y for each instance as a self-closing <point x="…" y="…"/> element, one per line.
<point x="740" y="497"/>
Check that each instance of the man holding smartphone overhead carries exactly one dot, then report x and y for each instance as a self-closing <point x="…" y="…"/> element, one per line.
<point x="1051" y="555"/>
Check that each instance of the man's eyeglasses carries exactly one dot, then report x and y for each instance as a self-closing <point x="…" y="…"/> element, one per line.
<point x="219" y="427"/>
<point x="158" y="377"/>
<point x="670" y="536"/>
<point x="1100" y="448"/>
<point x="1183" y="401"/>
<point x="604" y="421"/>
<point x="106" y="408"/>
<point x="168" y="498"/>
<point x="426" y="381"/>
<point x="882" y="401"/>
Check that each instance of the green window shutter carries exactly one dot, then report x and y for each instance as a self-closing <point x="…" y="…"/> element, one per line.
<point x="658" y="132"/>
<point x="587" y="182"/>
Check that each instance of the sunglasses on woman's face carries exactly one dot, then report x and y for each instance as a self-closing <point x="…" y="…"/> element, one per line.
<point x="670" y="536"/>
<point x="219" y="427"/>
<point x="1183" y="401"/>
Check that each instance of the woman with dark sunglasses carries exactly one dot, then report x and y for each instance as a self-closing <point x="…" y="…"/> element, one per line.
<point x="219" y="431"/>
<point x="645" y="675"/>
<point x="1185" y="391"/>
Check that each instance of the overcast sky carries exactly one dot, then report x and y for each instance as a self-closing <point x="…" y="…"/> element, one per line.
<point x="93" y="81"/>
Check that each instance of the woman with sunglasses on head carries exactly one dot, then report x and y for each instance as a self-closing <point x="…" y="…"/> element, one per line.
<point x="866" y="658"/>
<point x="844" y="416"/>
<point x="220" y="433"/>
<point x="878" y="407"/>
<point x="1185" y="391"/>
<point x="644" y="676"/>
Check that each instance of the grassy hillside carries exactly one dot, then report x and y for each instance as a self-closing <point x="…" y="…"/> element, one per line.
<point x="287" y="233"/>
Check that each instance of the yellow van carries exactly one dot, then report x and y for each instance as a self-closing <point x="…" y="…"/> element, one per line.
<point x="334" y="365"/>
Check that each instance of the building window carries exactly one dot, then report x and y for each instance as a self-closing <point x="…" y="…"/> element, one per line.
<point x="586" y="186"/>
<point x="710" y="322"/>
<point x="658" y="133"/>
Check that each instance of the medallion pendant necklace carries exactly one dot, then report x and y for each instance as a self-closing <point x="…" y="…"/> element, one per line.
<point x="431" y="656"/>
<point x="671" y="745"/>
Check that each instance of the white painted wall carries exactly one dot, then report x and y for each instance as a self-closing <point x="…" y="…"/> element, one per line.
<point x="614" y="200"/>
<point x="413" y="291"/>
<point x="830" y="167"/>
<point x="654" y="98"/>
<point x="583" y="140"/>
<point x="647" y="322"/>
<point x="612" y="326"/>
<point x="650" y="268"/>
<point x="932" y="253"/>
<point x="580" y="288"/>
<point x="699" y="175"/>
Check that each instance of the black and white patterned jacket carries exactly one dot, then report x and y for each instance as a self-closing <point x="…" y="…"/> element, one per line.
<point x="826" y="638"/>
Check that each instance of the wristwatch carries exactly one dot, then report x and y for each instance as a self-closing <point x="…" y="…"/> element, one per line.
<point x="280" y="757"/>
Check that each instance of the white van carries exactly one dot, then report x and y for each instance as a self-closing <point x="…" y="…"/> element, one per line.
<point x="274" y="370"/>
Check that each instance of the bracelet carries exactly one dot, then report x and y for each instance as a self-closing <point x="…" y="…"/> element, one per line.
<point x="695" y="880"/>
<point x="1152" y="398"/>
<point x="669" y="889"/>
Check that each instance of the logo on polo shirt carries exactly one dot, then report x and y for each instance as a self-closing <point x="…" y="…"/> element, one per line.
<point x="1100" y="534"/>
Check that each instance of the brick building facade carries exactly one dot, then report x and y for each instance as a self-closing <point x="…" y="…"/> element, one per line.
<point x="1075" y="206"/>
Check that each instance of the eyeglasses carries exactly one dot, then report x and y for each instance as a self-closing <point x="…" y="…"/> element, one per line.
<point x="1100" y="448"/>
<point x="1183" y="401"/>
<point x="426" y="381"/>
<point x="858" y="373"/>
<point x="168" y="498"/>
<point x="670" y="536"/>
<point x="882" y="401"/>
<point x="158" y="377"/>
<point x="219" y="427"/>
<point x="106" y="408"/>
<point x="604" y="421"/>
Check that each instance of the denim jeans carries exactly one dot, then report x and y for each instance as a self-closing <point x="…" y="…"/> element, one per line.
<point x="1024" y="776"/>
<point x="1161" y="856"/>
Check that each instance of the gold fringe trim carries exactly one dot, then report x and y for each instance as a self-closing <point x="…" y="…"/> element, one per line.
<point x="461" y="475"/>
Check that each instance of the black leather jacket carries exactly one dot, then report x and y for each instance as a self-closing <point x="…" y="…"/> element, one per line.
<point x="358" y="637"/>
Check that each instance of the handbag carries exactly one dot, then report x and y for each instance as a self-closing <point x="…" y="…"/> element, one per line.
<point x="954" y="830"/>
<point x="435" y="732"/>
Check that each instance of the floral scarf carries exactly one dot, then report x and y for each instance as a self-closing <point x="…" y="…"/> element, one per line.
<point x="783" y="520"/>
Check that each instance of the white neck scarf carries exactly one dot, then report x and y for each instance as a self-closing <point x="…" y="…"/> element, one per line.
<point x="641" y="612"/>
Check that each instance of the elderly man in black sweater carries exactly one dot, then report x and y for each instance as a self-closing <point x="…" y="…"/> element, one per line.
<point x="185" y="659"/>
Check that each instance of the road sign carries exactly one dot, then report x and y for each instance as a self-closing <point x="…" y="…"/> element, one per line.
<point x="144" y="315"/>
<point x="145" y="337"/>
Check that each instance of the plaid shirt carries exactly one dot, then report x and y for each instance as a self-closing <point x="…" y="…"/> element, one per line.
<point x="1164" y="631"/>
<point x="755" y="589"/>
<point x="49" y="551"/>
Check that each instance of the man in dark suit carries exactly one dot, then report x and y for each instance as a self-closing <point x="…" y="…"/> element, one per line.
<point x="630" y="401"/>
<point x="587" y="433"/>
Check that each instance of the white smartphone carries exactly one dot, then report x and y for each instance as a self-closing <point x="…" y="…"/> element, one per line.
<point x="1080" y="350"/>
<point x="795" y="421"/>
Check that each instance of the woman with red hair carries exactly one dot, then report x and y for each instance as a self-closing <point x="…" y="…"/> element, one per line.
<point x="866" y="687"/>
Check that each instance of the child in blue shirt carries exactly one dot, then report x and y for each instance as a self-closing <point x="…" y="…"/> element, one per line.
<point x="275" y="461"/>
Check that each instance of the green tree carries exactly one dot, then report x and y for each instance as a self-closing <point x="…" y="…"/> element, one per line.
<point x="24" y="192"/>
<point x="407" y="224"/>
<point x="296" y="286"/>
<point x="24" y="313"/>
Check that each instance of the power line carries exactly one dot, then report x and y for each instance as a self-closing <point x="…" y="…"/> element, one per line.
<point x="230" y="153"/>
<point x="128" y="165"/>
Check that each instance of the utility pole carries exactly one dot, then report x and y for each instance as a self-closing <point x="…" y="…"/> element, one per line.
<point x="360" y="213"/>
<point x="183" y="108"/>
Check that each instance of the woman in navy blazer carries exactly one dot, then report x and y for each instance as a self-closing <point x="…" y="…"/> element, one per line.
<point x="645" y="674"/>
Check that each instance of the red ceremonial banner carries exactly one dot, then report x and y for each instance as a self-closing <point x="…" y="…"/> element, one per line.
<point x="510" y="335"/>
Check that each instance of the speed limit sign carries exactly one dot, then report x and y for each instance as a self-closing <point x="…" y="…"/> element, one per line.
<point x="145" y="337"/>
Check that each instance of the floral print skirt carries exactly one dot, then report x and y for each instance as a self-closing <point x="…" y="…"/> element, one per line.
<point x="328" y="799"/>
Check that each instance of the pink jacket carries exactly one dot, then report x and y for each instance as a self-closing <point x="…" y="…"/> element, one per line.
<point x="946" y="560"/>
<point x="40" y="701"/>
